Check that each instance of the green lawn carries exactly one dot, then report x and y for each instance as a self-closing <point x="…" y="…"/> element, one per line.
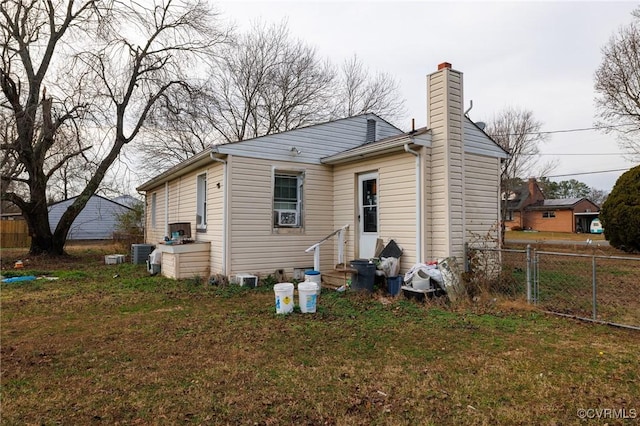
<point x="108" y="344"/>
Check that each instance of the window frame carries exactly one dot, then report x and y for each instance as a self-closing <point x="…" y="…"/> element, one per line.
<point x="549" y="214"/>
<point x="279" y="172"/>
<point x="201" y="202"/>
<point x="154" y="209"/>
<point x="509" y="215"/>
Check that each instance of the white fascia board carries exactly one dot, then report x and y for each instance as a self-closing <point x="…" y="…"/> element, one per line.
<point x="486" y="152"/>
<point x="378" y="148"/>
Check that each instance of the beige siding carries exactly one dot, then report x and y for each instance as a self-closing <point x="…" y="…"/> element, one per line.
<point x="481" y="197"/>
<point x="257" y="247"/>
<point x="186" y="265"/>
<point x="155" y="233"/>
<point x="215" y="206"/>
<point x="396" y="202"/>
<point x="182" y="208"/>
<point x="445" y="190"/>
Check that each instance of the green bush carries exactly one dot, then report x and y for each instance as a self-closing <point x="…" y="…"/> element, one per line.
<point x="620" y="213"/>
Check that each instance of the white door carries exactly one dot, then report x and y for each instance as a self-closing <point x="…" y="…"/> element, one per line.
<point x="367" y="214"/>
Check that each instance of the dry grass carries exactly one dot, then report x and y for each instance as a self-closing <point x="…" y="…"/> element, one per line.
<point x="547" y="236"/>
<point x="93" y="347"/>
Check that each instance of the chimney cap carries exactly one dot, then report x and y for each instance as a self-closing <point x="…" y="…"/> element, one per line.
<point x="444" y="65"/>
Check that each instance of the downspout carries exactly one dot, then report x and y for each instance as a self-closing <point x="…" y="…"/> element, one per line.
<point x="224" y="210"/>
<point x="418" y="203"/>
<point x="166" y="209"/>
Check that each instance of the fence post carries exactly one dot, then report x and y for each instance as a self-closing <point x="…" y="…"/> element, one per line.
<point x="528" y="273"/>
<point x="595" y="298"/>
<point x="466" y="257"/>
<point x="536" y="277"/>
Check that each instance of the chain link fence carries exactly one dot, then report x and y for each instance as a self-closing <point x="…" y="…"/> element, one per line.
<point x="591" y="287"/>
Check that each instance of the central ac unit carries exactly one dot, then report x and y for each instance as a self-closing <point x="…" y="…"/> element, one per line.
<point x="287" y="217"/>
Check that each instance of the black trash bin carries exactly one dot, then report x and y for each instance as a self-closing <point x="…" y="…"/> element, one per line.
<point x="366" y="275"/>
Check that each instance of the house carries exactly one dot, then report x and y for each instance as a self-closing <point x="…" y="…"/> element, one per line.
<point x="528" y="209"/>
<point x="518" y="200"/>
<point x="562" y="215"/>
<point x="97" y="221"/>
<point x="259" y="205"/>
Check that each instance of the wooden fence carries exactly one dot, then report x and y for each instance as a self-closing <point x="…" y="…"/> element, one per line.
<point x="14" y="233"/>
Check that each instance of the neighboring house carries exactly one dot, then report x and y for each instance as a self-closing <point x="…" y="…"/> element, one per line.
<point x="9" y="211"/>
<point x="528" y="209"/>
<point x="97" y="221"/>
<point x="562" y="215"/>
<point x="517" y="201"/>
<point x="127" y="200"/>
<point x="257" y="205"/>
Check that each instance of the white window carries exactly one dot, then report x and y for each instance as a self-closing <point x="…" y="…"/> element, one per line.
<point x="287" y="200"/>
<point x="153" y="210"/>
<point x="201" y="202"/>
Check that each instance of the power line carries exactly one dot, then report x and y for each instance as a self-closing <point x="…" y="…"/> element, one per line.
<point x="581" y="129"/>
<point x="578" y="129"/>
<point x="582" y="154"/>
<point x="588" y="173"/>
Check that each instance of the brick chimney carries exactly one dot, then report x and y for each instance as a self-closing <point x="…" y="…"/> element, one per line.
<point x="445" y="200"/>
<point x="532" y="186"/>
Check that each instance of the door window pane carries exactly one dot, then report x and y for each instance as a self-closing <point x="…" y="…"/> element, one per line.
<point x="370" y="205"/>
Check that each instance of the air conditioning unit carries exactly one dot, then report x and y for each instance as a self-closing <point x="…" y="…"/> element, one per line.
<point x="140" y="253"/>
<point x="247" y="280"/>
<point x="286" y="217"/>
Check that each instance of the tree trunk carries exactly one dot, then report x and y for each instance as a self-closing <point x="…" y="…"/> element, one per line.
<point x="42" y="240"/>
<point x="36" y="213"/>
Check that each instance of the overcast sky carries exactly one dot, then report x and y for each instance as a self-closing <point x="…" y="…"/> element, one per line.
<point x="540" y="56"/>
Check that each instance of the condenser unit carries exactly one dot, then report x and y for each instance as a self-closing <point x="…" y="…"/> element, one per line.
<point x="140" y="253"/>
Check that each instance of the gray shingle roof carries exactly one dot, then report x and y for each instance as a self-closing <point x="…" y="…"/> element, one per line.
<point x="561" y="202"/>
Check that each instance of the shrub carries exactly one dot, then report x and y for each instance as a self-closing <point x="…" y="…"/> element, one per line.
<point x="620" y="213"/>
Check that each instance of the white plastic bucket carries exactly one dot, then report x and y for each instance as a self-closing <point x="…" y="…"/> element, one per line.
<point x="284" y="298"/>
<point x="308" y="295"/>
<point x="314" y="277"/>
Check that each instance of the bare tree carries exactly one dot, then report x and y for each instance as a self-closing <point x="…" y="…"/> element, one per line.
<point x="179" y="126"/>
<point x="265" y="82"/>
<point x="617" y="84"/>
<point x="359" y="91"/>
<point x="518" y="132"/>
<point x="598" y="196"/>
<point x="136" y="55"/>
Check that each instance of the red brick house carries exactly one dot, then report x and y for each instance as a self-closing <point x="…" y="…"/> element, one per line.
<point x="527" y="194"/>
<point x="529" y="210"/>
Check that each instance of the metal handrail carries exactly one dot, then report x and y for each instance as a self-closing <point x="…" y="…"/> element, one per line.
<point x="316" y="247"/>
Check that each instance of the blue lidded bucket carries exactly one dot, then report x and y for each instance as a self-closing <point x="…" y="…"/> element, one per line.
<point x="393" y="285"/>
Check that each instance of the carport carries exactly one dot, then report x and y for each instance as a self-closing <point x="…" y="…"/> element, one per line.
<point x="583" y="221"/>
